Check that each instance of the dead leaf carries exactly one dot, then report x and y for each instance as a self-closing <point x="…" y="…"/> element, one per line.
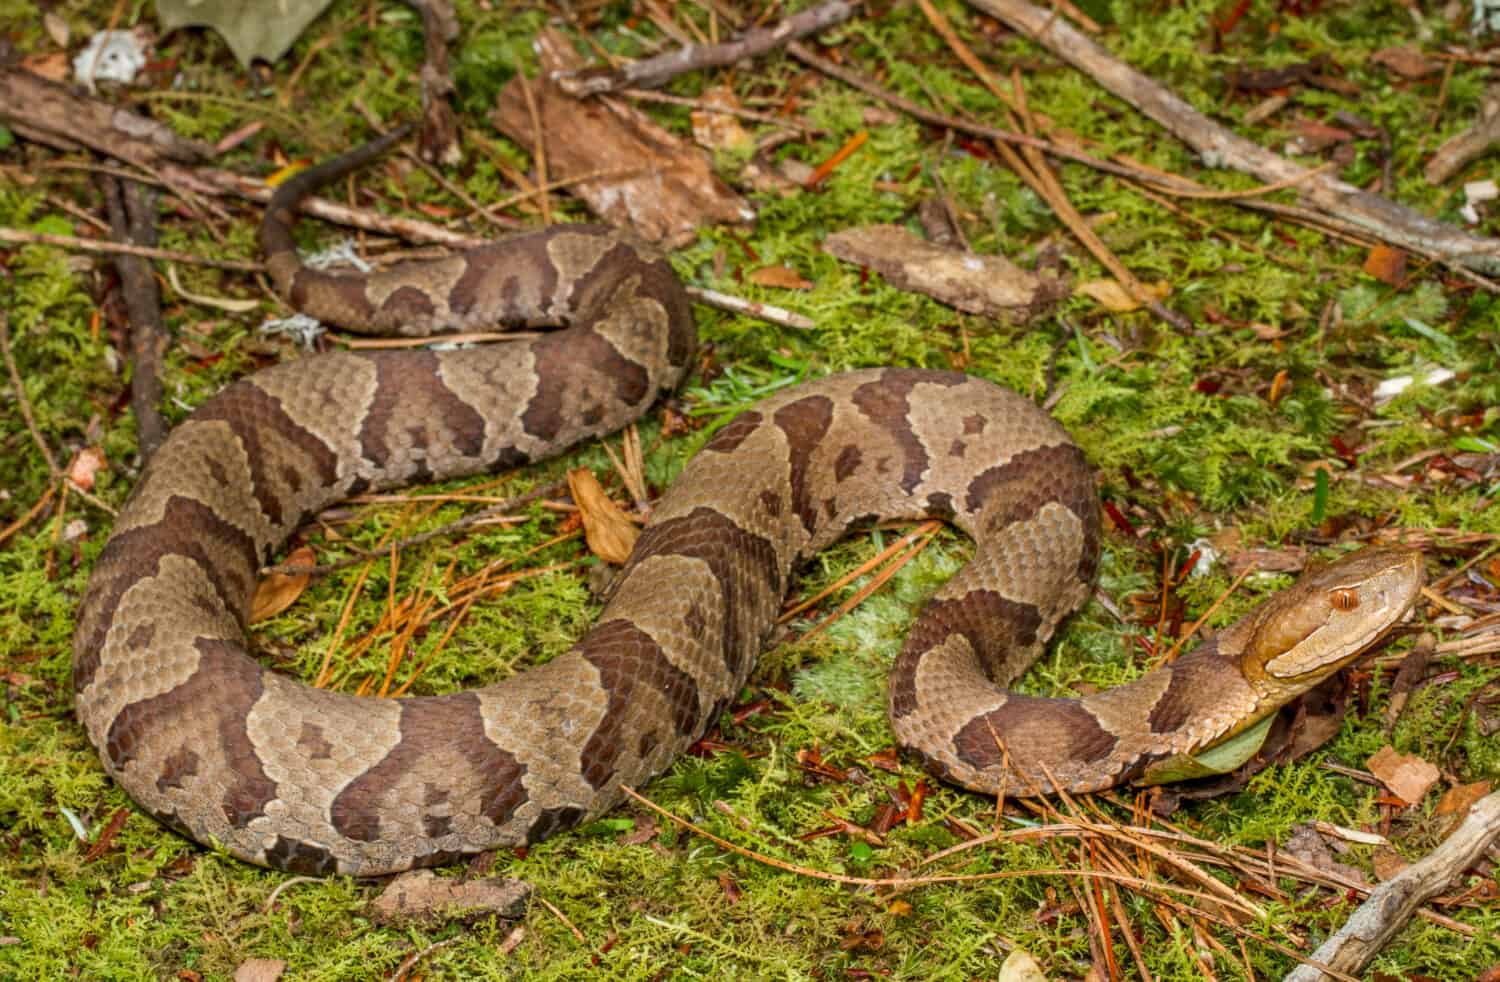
<point x="279" y="591"/>
<point x="629" y="170"/>
<point x="422" y="897"/>
<point x="1019" y="966"/>
<point x="52" y="66"/>
<point x="259" y="970"/>
<point x="779" y="276"/>
<point x="1406" y="776"/>
<point x="1456" y="800"/>
<point x="719" y="130"/>
<point x="1307" y="845"/>
<point x="1406" y="61"/>
<point x="608" y="530"/>
<point x="1386" y="264"/>
<point x="57" y="28"/>
<point x="86" y="466"/>
<point x="988" y="285"/>
<point x="1112" y="295"/>
<point x="1315" y="137"/>
<point x="1387" y="863"/>
<point x="252" y="28"/>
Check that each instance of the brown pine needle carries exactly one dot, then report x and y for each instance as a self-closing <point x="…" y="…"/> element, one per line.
<point x="843" y="153"/>
<point x="904" y="882"/>
<point x="876" y="582"/>
<point x="867" y="566"/>
<point x="1171" y="654"/>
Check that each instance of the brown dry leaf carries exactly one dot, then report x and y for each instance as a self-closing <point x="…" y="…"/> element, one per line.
<point x="259" y="970"/>
<point x="1387" y="862"/>
<point x="1456" y="800"/>
<point x="53" y="67"/>
<point x="780" y="276"/>
<point x="57" y="28"/>
<point x="1112" y="295"/>
<point x="86" y="466"/>
<point x="988" y="285"/>
<point x="645" y="178"/>
<point x="1406" y="776"/>
<point x="1386" y="264"/>
<point x="1307" y="845"/>
<point x="423" y="897"/>
<point x="719" y="131"/>
<point x="608" y="530"/>
<point x="279" y="591"/>
<point x="1406" y="61"/>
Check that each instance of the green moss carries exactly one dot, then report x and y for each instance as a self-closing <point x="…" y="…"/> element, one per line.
<point x="1179" y="424"/>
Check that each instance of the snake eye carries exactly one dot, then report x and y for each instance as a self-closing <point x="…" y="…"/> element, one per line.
<point x="1343" y="599"/>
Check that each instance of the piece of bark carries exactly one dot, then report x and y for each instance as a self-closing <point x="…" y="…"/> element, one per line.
<point x="422" y="897"/>
<point x="44" y="111"/>
<point x="652" y="73"/>
<point x="132" y="218"/>
<point x="1413" y="669"/>
<point x="1392" y="904"/>
<point x="988" y="285"/>
<point x="1219" y="146"/>
<point x="671" y="191"/>
<point x="1456" y="154"/>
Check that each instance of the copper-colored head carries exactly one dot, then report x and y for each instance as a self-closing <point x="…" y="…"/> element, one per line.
<point x="1332" y="614"/>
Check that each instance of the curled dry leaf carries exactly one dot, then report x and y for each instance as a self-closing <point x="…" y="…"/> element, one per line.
<point x="988" y="285"/>
<point x="1406" y="776"/>
<point x="279" y="591"/>
<point x="422" y="897"/>
<point x="608" y="530"/>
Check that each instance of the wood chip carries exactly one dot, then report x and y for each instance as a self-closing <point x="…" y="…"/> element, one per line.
<point x="988" y="285"/>
<point x="719" y="130"/>
<point x="424" y="898"/>
<point x="647" y="180"/>
<point x="1406" y="776"/>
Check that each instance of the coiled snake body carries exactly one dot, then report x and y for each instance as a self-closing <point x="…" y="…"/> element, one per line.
<point x="297" y="778"/>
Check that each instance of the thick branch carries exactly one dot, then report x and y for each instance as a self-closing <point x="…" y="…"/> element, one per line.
<point x="654" y="72"/>
<point x="1391" y="904"/>
<point x="55" y="115"/>
<point x="1220" y="147"/>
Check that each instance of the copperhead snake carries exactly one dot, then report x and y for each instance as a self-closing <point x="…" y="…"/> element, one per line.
<point x="289" y="776"/>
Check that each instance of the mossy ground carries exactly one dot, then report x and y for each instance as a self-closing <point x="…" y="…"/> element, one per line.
<point x="1180" y="425"/>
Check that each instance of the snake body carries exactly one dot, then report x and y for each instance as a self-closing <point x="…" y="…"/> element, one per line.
<point x="312" y="781"/>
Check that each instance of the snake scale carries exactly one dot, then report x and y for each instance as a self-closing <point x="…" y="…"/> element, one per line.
<point x="302" y="779"/>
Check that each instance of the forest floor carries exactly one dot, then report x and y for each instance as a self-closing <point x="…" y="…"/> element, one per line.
<point x="1269" y="424"/>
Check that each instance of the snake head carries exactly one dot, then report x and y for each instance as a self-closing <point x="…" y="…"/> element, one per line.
<point x="1334" y="612"/>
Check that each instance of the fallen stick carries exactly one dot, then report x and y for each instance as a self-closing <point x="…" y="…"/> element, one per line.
<point x="1392" y="904"/>
<point x="1218" y="146"/>
<point x="132" y="218"/>
<point x="652" y="73"/>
